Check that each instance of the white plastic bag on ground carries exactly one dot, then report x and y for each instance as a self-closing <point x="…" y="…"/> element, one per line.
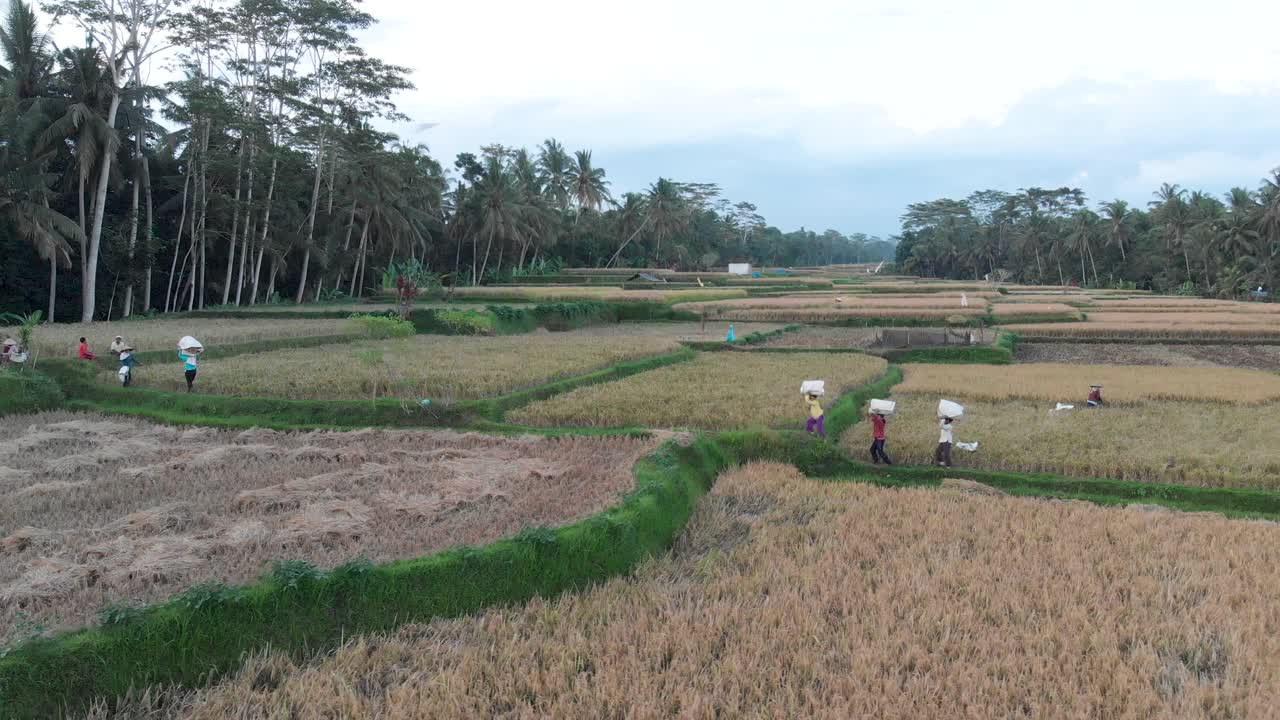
<point x="948" y="409"/>
<point x="813" y="387"/>
<point x="190" y="344"/>
<point x="1062" y="407"/>
<point x="970" y="446"/>
<point x="883" y="407"/>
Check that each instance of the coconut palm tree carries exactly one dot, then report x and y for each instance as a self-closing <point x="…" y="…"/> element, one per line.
<point x="1084" y="225"/>
<point x="553" y="167"/>
<point x="587" y="184"/>
<point x="1174" y="213"/>
<point x="500" y="213"/>
<point x="24" y="189"/>
<point x="1117" y="216"/>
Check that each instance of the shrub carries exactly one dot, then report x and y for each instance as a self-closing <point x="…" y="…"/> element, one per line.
<point x="383" y="326"/>
<point x="24" y="391"/>
<point x="466" y="322"/>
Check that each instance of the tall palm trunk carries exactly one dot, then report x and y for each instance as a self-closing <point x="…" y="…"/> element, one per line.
<point x="53" y="284"/>
<point x="235" y="221"/>
<point x="89" y="294"/>
<point x="266" y="228"/>
<point x="248" y="235"/>
<point x="171" y="303"/>
<point x="147" y="236"/>
<point x="311" y="218"/>
<point x="133" y="226"/>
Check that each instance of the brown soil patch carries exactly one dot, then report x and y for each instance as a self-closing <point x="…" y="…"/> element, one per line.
<point x="179" y="507"/>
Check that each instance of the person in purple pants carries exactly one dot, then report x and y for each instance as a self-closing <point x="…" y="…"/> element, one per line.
<point x="816" y="417"/>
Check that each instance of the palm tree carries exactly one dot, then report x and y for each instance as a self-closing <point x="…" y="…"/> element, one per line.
<point x="540" y="219"/>
<point x="1084" y="225"/>
<point x="500" y="213"/>
<point x="24" y="196"/>
<point x="553" y="167"/>
<point x="667" y="212"/>
<point x="82" y="94"/>
<point x="1172" y="208"/>
<point x="1117" y="215"/>
<point x="1269" y="194"/>
<point x="587" y="184"/>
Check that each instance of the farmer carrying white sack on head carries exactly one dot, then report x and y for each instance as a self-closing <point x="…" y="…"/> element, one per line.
<point x="189" y="350"/>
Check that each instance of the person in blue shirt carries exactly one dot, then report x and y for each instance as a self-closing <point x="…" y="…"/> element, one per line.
<point x="127" y="362"/>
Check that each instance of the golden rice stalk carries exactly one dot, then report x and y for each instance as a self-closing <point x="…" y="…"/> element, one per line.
<point x="1054" y="382"/>
<point x="716" y="391"/>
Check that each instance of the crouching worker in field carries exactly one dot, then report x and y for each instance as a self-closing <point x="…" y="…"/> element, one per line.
<point x="817" y="418"/>
<point x="83" y="352"/>
<point x="1095" y="395"/>
<point x="878" y="422"/>
<point x="943" y="454"/>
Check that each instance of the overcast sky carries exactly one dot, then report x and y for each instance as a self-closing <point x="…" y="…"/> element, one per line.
<point x="838" y="113"/>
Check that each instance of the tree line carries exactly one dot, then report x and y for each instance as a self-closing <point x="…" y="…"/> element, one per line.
<point x="260" y="174"/>
<point x="1183" y="241"/>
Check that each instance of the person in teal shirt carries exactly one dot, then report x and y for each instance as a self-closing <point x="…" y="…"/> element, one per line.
<point x="189" y="360"/>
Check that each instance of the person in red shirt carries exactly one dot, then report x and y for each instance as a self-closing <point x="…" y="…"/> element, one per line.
<point x="1095" y="395"/>
<point x="877" y="443"/>
<point x="84" y="351"/>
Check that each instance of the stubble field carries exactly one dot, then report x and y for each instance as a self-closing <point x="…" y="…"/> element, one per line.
<point x="791" y="598"/>
<point x="102" y="511"/>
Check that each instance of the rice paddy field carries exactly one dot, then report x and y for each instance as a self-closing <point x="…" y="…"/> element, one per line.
<point x="784" y="596"/>
<point x="1123" y="385"/>
<point x="540" y="293"/>
<point x="787" y="597"/>
<point x="424" y="366"/>
<point x="100" y="510"/>
<point x="62" y="340"/>
<point x="1208" y="444"/>
<point x="721" y="390"/>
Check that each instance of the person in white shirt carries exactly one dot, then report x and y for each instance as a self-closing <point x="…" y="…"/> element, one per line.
<point x="118" y="345"/>
<point x="943" y="454"/>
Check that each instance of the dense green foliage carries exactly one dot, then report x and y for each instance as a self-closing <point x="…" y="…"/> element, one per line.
<point x="383" y="326"/>
<point x="259" y="175"/>
<point x="27" y="391"/>
<point x="1188" y="243"/>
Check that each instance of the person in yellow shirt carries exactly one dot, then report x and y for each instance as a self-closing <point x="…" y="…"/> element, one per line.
<point x="816" y="416"/>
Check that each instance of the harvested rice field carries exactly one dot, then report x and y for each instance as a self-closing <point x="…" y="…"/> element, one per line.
<point x="787" y="597"/>
<point x="442" y="368"/>
<point x="1190" y="443"/>
<point x="720" y="390"/>
<point x="552" y="293"/>
<point x="62" y="340"/>
<point x="99" y="510"/>
<point x="826" y="337"/>
<point x="1067" y="382"/>
<point x="1256" y="357"/>
<point x="692" y="331"/>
